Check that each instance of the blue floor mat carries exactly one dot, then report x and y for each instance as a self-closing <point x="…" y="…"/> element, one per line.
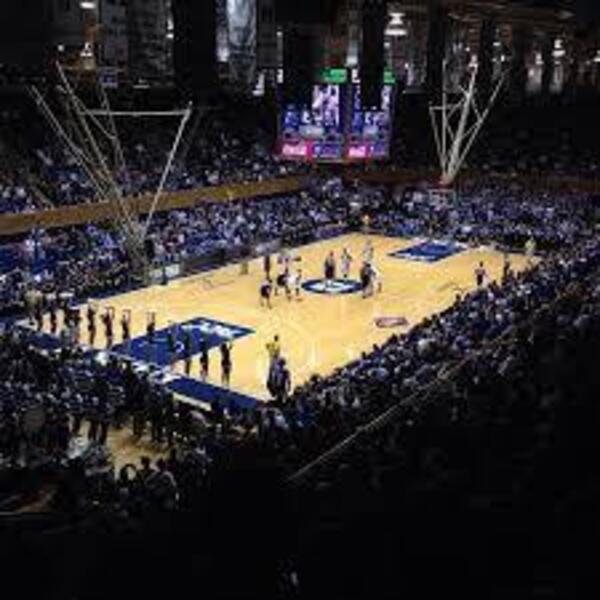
<point x="430" y="252"/>
<point x="206" y="392"/>
<point x="214" y="332"/>
<point x="179" y="384"/>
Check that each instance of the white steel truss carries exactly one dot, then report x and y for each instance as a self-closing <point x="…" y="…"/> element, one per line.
<point x="458" y="121"/>
<point x="82" y="136"/>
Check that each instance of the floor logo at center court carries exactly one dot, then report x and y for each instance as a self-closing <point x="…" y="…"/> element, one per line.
<point x="335" y="287"/>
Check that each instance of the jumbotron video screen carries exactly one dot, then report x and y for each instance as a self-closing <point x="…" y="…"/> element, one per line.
<point x="370" y="129"/>
<point x="316" y="131"/>
<point x="335" y="127"/>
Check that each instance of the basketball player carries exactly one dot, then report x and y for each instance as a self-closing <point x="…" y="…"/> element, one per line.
<point x="281" y="282"/>
<point x="226" y="364"/>
<point x="107" y="321"/>
<point x="126" y="329"/>
<point x="346" y="262"/>
<point x="480" y="275"/>
<point x="288" y="285"/>
<point x="365" y="280"/>
<point x="267" y="265"/>
<point x="265" y="293"/>
<point x="329" y="268"/>
<point x="91" y="320"/>
<point x="297" y="283"/>
<point x="368" y="252"/>
<point x="375" y="279"/>
<point x="203" y="359"/>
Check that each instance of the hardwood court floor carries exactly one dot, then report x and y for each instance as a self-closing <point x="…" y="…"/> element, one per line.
<point x="319" y="332"/>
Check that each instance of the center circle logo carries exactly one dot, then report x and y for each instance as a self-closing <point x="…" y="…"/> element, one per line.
<point x="335" y="287"/>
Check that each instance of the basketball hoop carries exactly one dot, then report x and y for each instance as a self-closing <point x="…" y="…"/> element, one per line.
<point x="457" y="122"/>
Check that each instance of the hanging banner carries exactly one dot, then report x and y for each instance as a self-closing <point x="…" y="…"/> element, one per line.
<point x="113" y="35"/>
<point x="109" y="77"/>
<point x="266" y="51"/>
<point x="241" y="27"/>
<point x="148" y="47"/>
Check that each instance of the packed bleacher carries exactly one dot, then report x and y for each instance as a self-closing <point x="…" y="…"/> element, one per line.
<point x="538" y="138"/>
<point x="210" y="154"/>
<point x="91" y="260"/>
<point x="474" y="399"/>
<point x="481" y="479"/>
<point x="479" y="419"/>
<point x="325" y="410"/>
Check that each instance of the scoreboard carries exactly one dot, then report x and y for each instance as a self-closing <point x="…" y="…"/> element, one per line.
<point x="335" y="127"/>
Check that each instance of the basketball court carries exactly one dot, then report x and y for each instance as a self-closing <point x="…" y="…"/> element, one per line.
<point x="322" y="330"/>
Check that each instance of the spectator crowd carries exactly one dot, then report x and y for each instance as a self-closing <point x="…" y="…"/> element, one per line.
<point x="70" y="388"/>
<point x="476" y="420"/>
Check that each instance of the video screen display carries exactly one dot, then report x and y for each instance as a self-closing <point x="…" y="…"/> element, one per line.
<point x="316" y="131"/>
<point x="335" y="127"/>
<point x="370" y="130"/>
